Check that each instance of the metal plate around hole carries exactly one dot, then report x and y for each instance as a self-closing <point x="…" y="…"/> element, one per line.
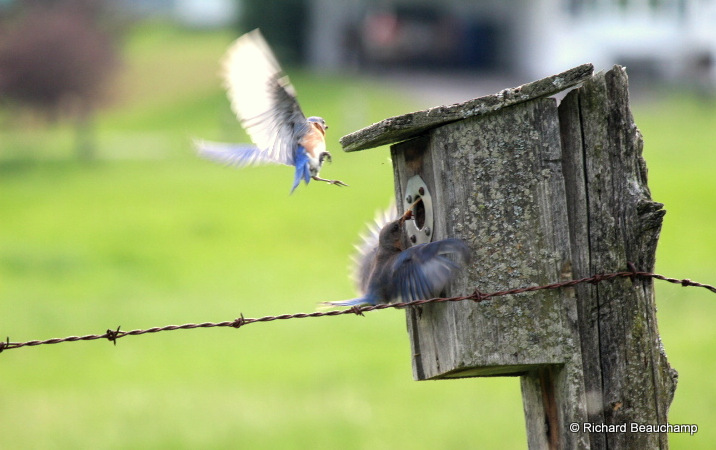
<point x="412" y="194"/>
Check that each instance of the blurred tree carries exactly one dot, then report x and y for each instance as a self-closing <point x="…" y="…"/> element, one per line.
<point x="54" y="57"/>
<point x="282" y="22"/>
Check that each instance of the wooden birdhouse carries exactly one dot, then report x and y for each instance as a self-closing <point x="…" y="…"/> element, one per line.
<point x="543" y="191"/>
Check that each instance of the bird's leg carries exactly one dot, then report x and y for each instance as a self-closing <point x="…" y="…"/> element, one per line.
<point x="323" y="157"/>
<point x="335" y="182"/>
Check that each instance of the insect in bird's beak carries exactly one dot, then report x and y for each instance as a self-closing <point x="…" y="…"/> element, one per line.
<point x="407" y="216"/>
<point x="410" y="213"/>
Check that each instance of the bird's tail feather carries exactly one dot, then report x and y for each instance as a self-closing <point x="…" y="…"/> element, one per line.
<point x="360" y="301"/>
<point x="303" y="172"/>
<point x="237" y="155"/>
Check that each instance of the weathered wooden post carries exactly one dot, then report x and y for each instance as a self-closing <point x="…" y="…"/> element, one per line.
<point x="542" y="192"/>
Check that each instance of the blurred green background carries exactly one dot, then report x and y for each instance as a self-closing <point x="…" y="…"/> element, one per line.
<point x="145" y="234"/>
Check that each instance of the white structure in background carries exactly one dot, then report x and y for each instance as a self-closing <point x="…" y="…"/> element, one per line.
<point x="535" y="38"/>
<point x="206" y="13"/>
<point x="672" y="38"/>
<point x="194" y="13"/>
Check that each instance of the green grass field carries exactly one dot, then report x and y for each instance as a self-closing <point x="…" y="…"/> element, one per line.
<point x="149" y="235"/>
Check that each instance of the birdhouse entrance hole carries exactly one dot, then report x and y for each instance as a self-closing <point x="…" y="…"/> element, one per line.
<point x="419" y="213"/>
<point x="418" y="198"/>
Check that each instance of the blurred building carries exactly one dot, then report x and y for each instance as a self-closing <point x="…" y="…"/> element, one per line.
<point x="658" y="39"/>
<point x="661" y="38"/>
<point x="194" y="13"/>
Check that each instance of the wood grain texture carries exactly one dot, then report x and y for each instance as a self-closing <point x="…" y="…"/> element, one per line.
<point x="613" y="222"/>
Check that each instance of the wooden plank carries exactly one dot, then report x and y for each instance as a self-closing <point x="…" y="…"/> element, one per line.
<point x="573" y="169"/>
<point x="399" y="128"/>
<point x="613" y="222"/>
<point x="496" y="183"/>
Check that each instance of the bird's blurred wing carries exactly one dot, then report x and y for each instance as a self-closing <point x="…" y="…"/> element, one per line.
<point x="237" y="155"/>
<point x="263" y="98"/>
<point x="421" y="272"/>
<point x="364" y="257"/>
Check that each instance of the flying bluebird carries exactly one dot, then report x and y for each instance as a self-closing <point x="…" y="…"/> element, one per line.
<point x="386" y="271"/>
<point x="265" y="103"/>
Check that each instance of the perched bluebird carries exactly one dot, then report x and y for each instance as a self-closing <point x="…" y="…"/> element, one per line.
<point x="265" y="103"/>
<point x="386" y="271"/>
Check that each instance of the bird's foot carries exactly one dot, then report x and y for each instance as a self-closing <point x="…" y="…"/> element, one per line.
<point x="325" y="156"/>
<point x="334" y="182"/>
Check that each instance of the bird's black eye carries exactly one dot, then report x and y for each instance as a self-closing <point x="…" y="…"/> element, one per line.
<point x="396" y="227"/>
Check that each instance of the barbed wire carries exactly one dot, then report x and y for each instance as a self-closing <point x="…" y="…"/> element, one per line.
<point x="476" y="296"/>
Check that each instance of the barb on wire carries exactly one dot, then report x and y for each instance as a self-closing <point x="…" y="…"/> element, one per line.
<point x="476" y="296"/>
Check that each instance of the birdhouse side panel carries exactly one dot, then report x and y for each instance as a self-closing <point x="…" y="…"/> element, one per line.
<point x="496" y="183"/>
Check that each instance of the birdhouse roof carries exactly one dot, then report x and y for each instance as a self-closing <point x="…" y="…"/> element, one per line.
<point x="400" y="128"/>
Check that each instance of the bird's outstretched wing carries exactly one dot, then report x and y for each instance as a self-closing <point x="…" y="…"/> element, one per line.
<point x="364" y="257"/>
<point x="421" y="272"/>
<point x="263" y="98"/>
<point x="237" y="155"/>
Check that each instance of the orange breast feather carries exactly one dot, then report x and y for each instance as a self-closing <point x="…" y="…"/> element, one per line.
<point x="314" y="141"/>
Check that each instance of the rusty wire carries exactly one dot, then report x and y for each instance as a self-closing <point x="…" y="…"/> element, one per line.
<point x="476" y="296"/>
